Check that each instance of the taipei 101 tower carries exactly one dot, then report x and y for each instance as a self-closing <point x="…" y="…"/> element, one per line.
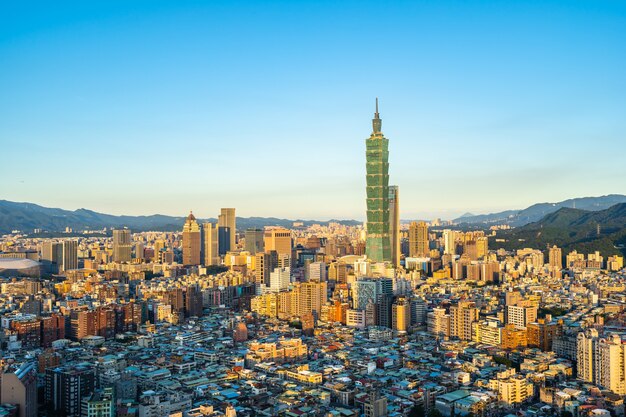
<point x="378" y="244"/>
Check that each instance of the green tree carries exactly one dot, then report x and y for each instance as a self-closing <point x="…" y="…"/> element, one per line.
<point x="434" y="413"/>
<point x="417" y="411"/>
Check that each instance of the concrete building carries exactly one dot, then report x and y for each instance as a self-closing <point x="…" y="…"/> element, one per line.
<point x="19" y="387"/>
<point x="122" y="247"/>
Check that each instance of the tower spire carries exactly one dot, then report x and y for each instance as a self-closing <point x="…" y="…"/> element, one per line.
<point x="376" y="121"/>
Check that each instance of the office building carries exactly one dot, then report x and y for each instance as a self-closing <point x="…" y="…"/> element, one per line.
<point x="224" y="235"/>
<point x="394" y="223"/>
<point x="316" y="271"/>
<point x="264" y="264"/>
<point x="227" y="219"/>
<point x="280" y="279"/>
<point x="254" y="241"/>
<point x="278" y="240"/>
<point x="58" y="257"/>
<point x="122" y="247"/>
<point x="191" y="241"/>
<point x="378" y="242"/>
<point x="209" y="245"/>
<point x="70" y="255"/>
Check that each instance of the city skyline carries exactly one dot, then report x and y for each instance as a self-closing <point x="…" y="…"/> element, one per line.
<point x="483" y="104"/>
<point x="241" y="243"/>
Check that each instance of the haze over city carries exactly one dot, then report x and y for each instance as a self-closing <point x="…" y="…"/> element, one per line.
<point x="170" y="106"/>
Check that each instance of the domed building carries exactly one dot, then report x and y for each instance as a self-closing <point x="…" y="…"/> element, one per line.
<point x="17" y="267"/>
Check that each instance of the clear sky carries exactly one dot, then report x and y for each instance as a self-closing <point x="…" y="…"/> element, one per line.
<point x="141" y="107"/>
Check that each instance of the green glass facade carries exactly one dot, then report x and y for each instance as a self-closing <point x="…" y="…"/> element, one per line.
<point x="378" y="245"/>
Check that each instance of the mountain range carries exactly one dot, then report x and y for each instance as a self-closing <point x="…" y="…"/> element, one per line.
<point x="571" y="229"/>
<point x="27" y="216"/>
<point x="536" y="212"/>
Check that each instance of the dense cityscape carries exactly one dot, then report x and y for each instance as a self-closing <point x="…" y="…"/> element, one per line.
<point x="385" y="318"/>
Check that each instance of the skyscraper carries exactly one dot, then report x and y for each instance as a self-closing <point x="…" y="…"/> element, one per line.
<point x="254" y="241"/>
<point x="121" y="245"/>
<point x="227" y="219"/>
<point x="418" y="239"/>
<point x="223" y="238"/>
<point x="209" y="245"/>
<point x="378" y="243"/>
<point x="278" y="239"/>
<point x="394" y="223"/>
<point x="191" y="241"/>
<point x="449" y="242"/>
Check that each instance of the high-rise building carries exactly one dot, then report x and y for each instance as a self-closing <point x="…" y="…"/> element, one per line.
<point x="521" y="316"/>
<point x="280" y="279"/>
<point x="19" y="387"/>
<point x="278" y="240"/>
<point x="264" y="264"/>
<point x="59" y="257"/>
<point x="191" y="241"/>
<point x="462" y="317"/>
<point x="70" y="255"/>
<point x="394" y="223"/>
<point x="209" y="245"/>
<point x="52" y="256"/>
<point x="317" y="271"/>
<point x="555" y="257"/>
<point x="122" y="247"/>
<point x="401" y="315"/>
<point x="438" y="322"/>
<point x="254" y="241"/>
<point x="602" y="360"/>
<point x="312" y="296"/>
<point x="378" y="243"/>
<point x="418" y="239"/>
<point x="227" y="219"/>
<point x="223" y="239"/>
<point x="65" y="388"/>
<point x="449" y="242"/>
<point x="482" y="246"/>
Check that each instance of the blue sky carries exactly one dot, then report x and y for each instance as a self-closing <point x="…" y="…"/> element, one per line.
<point x="145" y="107"/>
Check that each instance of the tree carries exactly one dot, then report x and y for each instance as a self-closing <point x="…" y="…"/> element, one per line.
<point x="417" y="411"/>
<point x="434" y="413"/>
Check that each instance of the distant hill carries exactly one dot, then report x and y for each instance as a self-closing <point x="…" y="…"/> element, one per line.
<point x="583" y="230"/>
<point x="26" y="217"/>
<point x="536" y="212"/>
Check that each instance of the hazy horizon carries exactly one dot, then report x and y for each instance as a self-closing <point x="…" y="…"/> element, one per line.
<point x="199" y="213"/>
